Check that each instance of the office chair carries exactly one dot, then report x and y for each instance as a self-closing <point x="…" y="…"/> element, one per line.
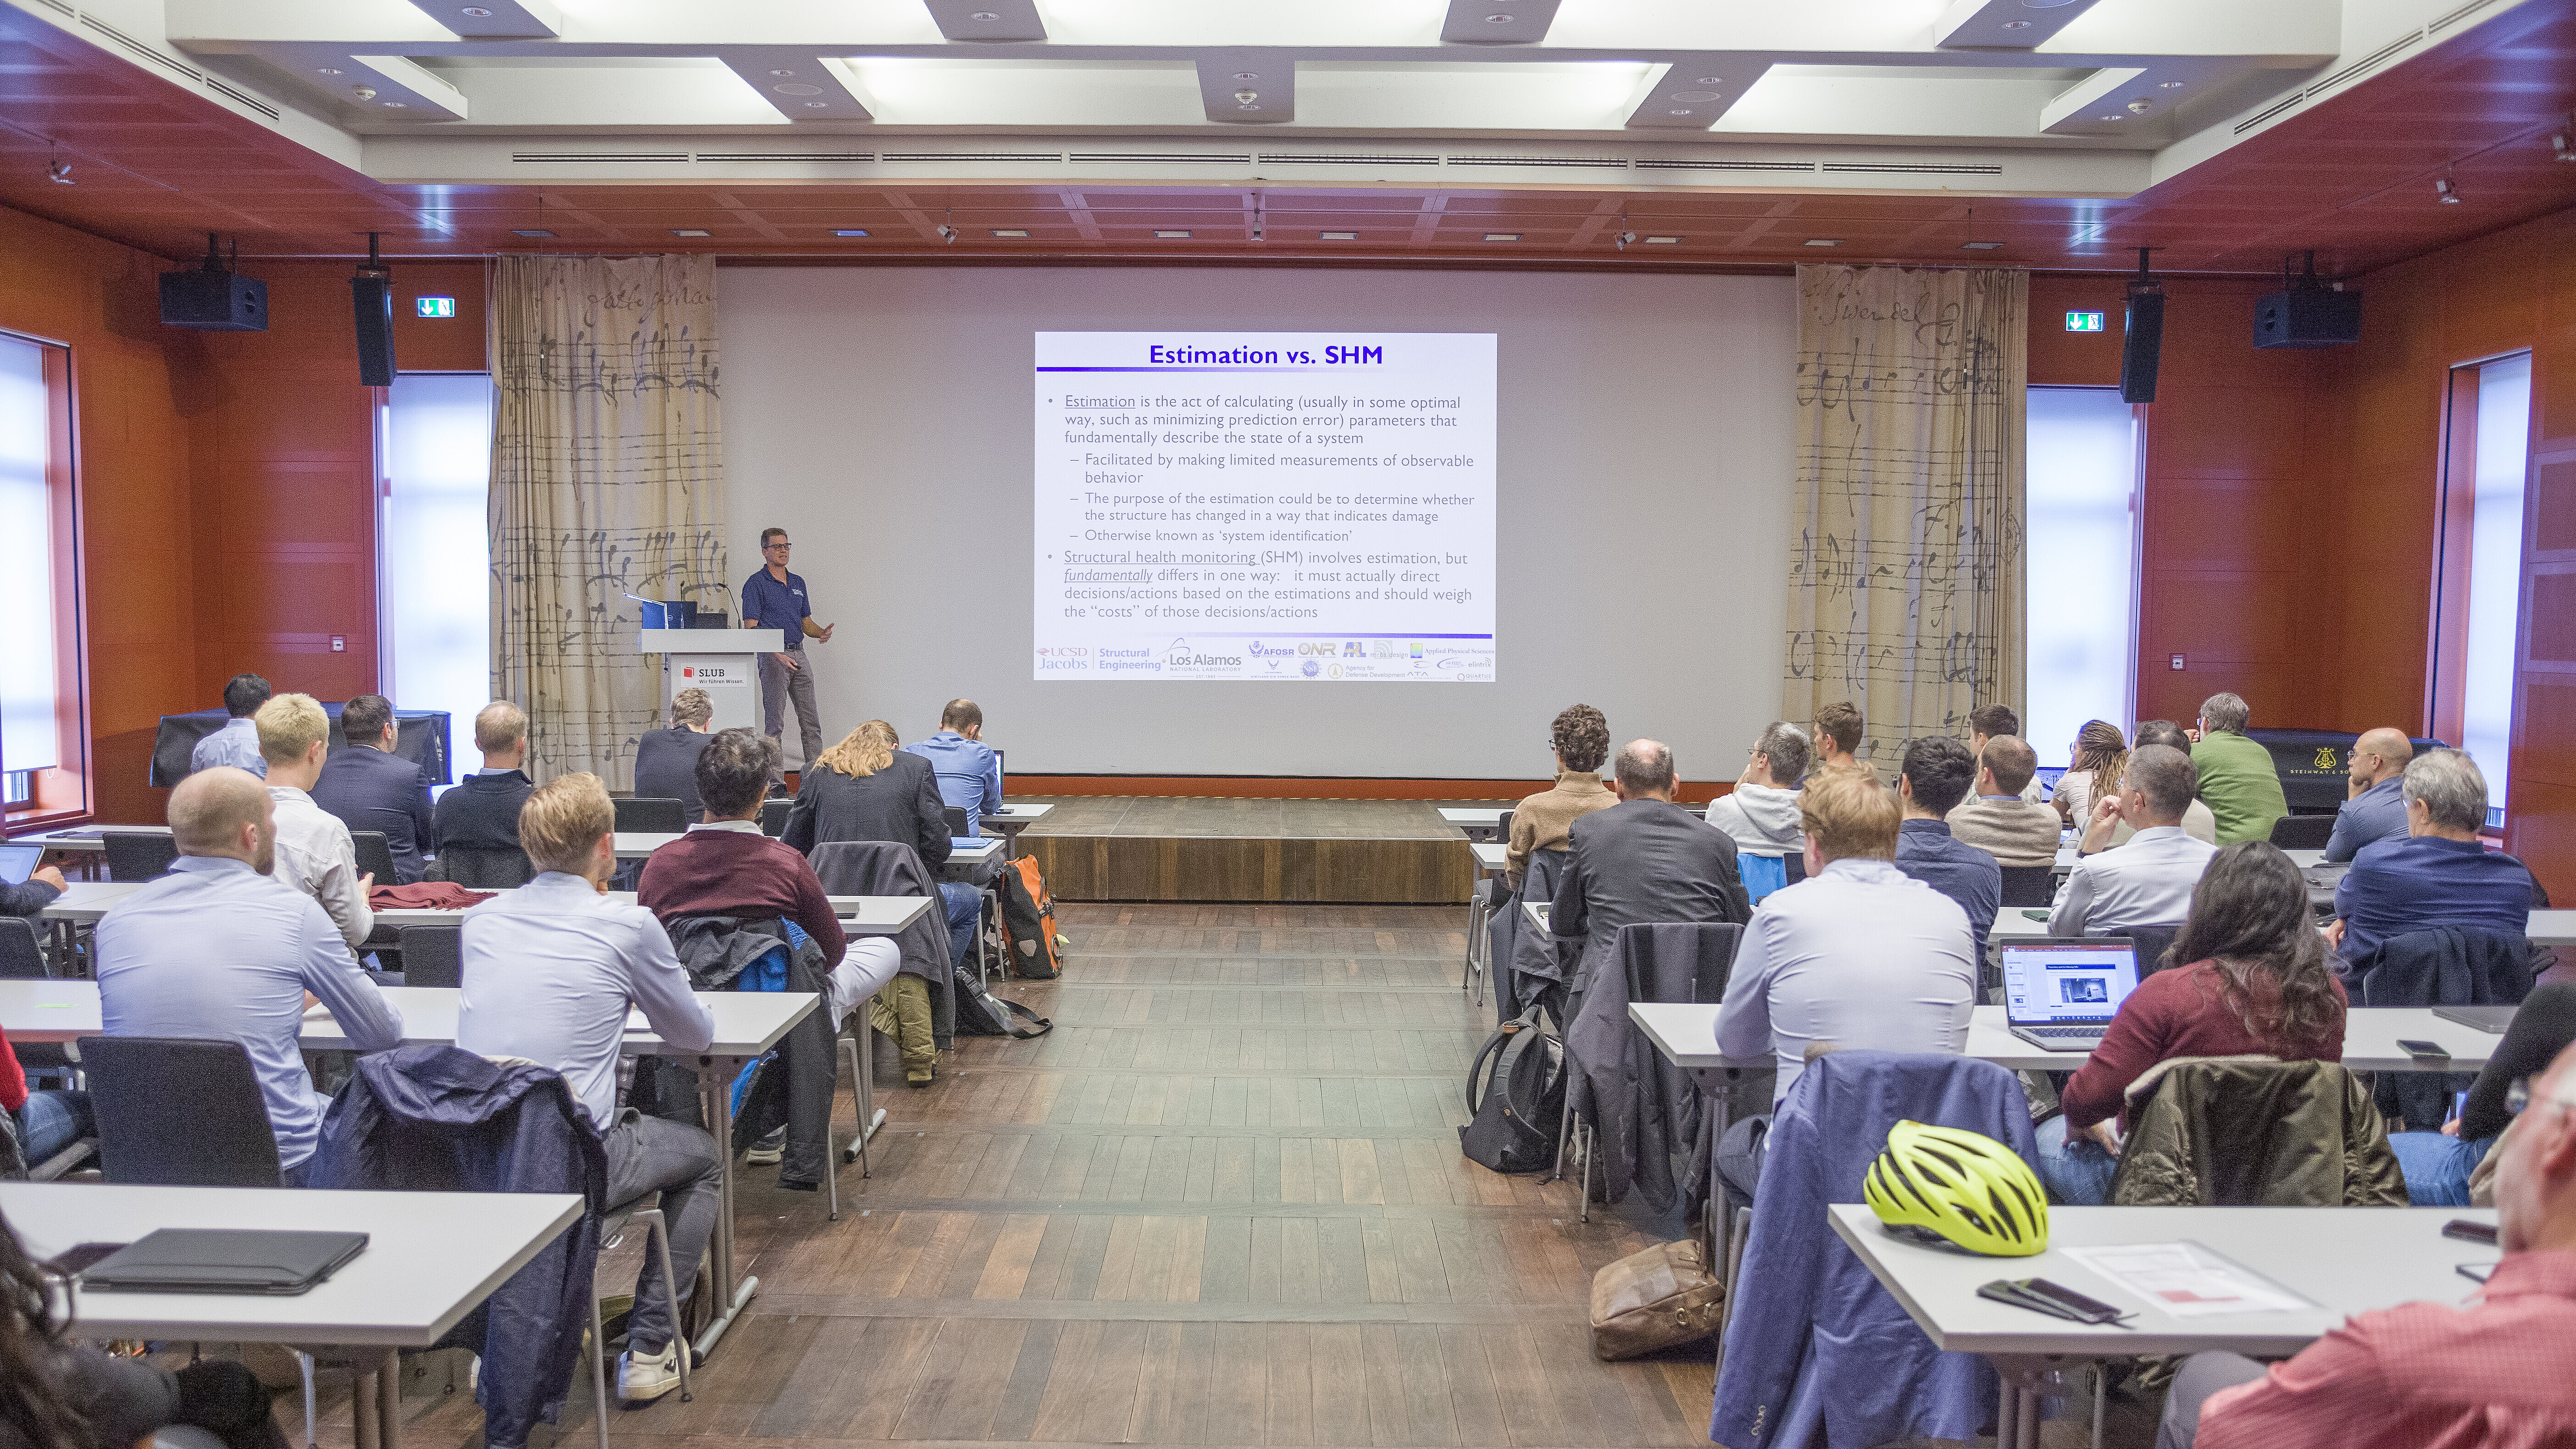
<point x="375" y="856"/>
<point x="773" y="817"/>
<point x="651" y="817"/>
<point x="138" y="855"/>
<point x="959" y="827"/>
<point x="433" y="956"/>
<point x="2303" y="832"/>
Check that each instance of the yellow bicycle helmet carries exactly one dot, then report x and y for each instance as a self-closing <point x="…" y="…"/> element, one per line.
<point x="1962" y="1188"/>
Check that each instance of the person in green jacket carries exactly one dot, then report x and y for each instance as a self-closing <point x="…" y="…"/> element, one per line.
<point x="2238" y="781"/>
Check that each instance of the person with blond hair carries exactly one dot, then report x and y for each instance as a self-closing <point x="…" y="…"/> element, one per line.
<point x="480" y="817"/>
<point x="315" y="853"/>
<point x="666" y="761"/>
<point x="550" y="972"/>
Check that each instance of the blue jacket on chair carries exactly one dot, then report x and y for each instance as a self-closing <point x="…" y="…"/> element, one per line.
<point x="439" y="1119"/>
<point x="1815" y="1341"/>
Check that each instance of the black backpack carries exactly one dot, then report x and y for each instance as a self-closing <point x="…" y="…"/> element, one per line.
<point x="1515" y="1098"/>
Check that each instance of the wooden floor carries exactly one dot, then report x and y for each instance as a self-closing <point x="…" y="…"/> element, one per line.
<point x="1138" y="848"/>
<point x="1221" y="1204"/>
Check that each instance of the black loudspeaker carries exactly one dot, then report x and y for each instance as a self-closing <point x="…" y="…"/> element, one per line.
<point x="374" y="299"/>
<point x="2142" y="345"/>
<point x="2309" y="316"/>
<point x="214" y="301"/>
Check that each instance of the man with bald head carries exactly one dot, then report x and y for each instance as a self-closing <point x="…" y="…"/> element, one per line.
<point x="220" y="949"/>
<point x="2376" y="807"/>
<point x="1644" y="860"/>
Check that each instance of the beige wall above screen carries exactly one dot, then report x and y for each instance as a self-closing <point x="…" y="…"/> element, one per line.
<point x="1645" y="478"/>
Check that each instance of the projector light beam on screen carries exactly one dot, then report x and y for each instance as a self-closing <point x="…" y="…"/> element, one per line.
<point x="1338" y="531"/>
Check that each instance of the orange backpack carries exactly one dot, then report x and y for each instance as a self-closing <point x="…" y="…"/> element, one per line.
<point x="1028" y="919"/>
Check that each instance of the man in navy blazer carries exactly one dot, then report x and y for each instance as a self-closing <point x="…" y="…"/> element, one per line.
<point x="370" y="787"/>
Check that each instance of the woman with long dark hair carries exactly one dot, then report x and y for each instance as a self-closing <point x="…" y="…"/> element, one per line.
<point x="2247" y="977"/>
<point x="60" y="1395"/>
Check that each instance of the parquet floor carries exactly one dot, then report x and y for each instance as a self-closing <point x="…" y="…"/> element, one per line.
<point x="1222" y="1203"/>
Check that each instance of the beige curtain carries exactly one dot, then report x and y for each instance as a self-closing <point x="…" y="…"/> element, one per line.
<point x="607" y="480"/>
<point x="1905" y="563"/>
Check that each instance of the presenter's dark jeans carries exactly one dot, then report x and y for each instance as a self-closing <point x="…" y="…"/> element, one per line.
<point x="778" y="686"/>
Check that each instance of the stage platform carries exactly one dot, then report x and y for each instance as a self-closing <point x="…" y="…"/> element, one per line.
<point x="1136" y="848"/>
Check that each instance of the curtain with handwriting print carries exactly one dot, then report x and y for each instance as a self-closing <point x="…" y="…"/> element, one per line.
<point x="1905" y="555"/>
<point x="607" y="481"/>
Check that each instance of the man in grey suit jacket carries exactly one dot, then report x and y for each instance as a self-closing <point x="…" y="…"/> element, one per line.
<point x="1643" y="861"/>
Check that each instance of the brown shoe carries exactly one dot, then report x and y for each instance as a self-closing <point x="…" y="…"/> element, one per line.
<point x="917" y="1077"/>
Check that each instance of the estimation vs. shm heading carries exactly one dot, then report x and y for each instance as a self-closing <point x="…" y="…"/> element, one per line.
<point x="1158" y="355"/>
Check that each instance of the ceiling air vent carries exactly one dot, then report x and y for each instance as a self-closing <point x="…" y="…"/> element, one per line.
<point x="1611" y="162"/>
<point x="245" y="97"/>
<point x="138" y="48"/>
<point x="2365" y="65"/>
<point x="598" y="158"/>
<point x="1332" y="158"/>
<point x="1726" y="165"/>
<point x="1915" y="168"/>
<point x="2266" y="114"/>
<point x="59" y="5"/>
<point x="2456" y="16"/>
<point x="806" y="158"/>
<point x="1006" y="158"/>
<point x="1156" y="158"/>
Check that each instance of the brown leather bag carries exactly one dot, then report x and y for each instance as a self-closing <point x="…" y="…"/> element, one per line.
<point x="1655" y="1299"/>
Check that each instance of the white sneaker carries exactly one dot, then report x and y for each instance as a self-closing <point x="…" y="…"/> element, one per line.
<point x="771" y="1148"/>
<point x="642" y="1378"/>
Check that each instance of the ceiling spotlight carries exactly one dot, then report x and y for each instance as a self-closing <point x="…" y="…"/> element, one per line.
<point x="2443" y="192"/>
<point x="327" y="70"/>
<point x="530" y="231"/>
<point x="1502" y="236"/>
<point x="478" y="12"/>
<point x="2169" y="85"/>
<point x="1247" y="75"/>
<point x="984" y="15"/>
<point x="1256" y="216"/>
<point x="1821" y="241"/>
<point x="849" y="231"/>
<point x="797" y="88"/>
<point x="1499" y="19"/>
<point x="58" y="170"/>
<point x="2141" y="106"/>
<point x="1979" y="246"/>
<point x="1245" y="98"/>
<point x="1173" y="235"/>
<point x="364" y="93"/>
<point x="1662" y="241"/>
<point x="1622" y="239"/>
<point x="947" y="229"/>
<point x="1011" y="231"/>
<point x="1339" y="236"/>
<point x="690" y="231"/>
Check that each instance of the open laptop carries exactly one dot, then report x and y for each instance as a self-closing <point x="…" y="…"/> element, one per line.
<point x="2490" y="1019"/>
<point x="224" y="1260"/>
<point x="2061" y="993"/>
<point x="17" y="862"/>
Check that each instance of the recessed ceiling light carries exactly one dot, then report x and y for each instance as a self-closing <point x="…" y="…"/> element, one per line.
<point x="816" y="105"/>
<point x="478" y="12"/>
<point x="1499" y="19"/>
<point x="2169" y="85"/>
<point x="1695" y="97"/>
<point x="2016" y="25"/>
<point x="397" y="105"/>
<point x="849" y="231"/>
<point x="1339" y="236"/>
<point x="530" y="231"/>
<point x="1824" y="241"/>
<point x="1502" y="236"/>
<point x="797" y="88"/>
<point x="690" y="231"/>
<point x="1710" y="80"/>
<point x="782" y="72"/>
<point x="1247" y="106"/>
<point x="1247" y="75"/>
<point x="326" y="70"/>
<point x="1684" y="111"/>
<point x="983" y="15"/>
<point x="1010" y="231"/>
<point x="2115" y="118"/>
<point x="1979" y="246"/>
<point x="1662" y="241"/>
<point x="1173" y="235"/>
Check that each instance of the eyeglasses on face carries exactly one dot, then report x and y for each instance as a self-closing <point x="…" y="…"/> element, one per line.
<point x="2519" y="1097"/>
<point x="782" y="546"/>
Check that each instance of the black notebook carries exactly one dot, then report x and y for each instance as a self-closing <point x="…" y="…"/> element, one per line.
<point x="223" y="1260"/>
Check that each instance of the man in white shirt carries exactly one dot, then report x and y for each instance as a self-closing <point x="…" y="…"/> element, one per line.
<point x="237" y="743"/>
<point x="1858" y="954"/>
<point x="218" y="948"/>
<point x="550" y="972"/>
<point x="2147" y="882"/>
<point x="314" y="852"/>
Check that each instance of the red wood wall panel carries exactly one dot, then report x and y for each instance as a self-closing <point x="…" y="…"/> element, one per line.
<point x="440" y="344"/>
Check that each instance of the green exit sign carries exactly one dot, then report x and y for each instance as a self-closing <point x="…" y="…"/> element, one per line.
<point x="446" y="307"/>
<point x="2083" y="321"/>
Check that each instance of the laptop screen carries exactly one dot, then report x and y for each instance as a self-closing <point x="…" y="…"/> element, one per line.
<point x="17" y="862"/>
<point x="1002" y="772"/>
<point x="2067" y="983"/>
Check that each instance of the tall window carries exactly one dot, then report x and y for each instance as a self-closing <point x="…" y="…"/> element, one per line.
<point x="2081" y="581"/>
<point x="2479" y="601"/>
<point x="43" y="743"/>
<point x="436" y="447"/>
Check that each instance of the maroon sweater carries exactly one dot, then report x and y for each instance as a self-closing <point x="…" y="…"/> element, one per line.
<point x="2177" y="1013"/>
<point x="739" y="873"/>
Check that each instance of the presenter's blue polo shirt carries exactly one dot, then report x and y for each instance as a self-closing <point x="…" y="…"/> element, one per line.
<point x="777" y="605"/>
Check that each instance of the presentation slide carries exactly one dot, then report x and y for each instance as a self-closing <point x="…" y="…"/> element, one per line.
<point x="1295" y="506"/>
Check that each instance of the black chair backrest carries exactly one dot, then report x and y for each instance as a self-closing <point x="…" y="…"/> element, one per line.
<point x="1503" y="826"/>
<point x="375" y="856"/>
<point x="138" y="855"/>
<point x="21" y="959"/>
<point x="484" y="869"/>
<point x="2303" y="832"/>
<point x="958" y="825"/>
<point x="2028" y="885"/>
<point x="1794" y="864"/>
<point x="2152" y="942"/>
<point x="773" y="817"/>
<point x="652" y="817"/>
<point x="433" y="956"/>
<point x="178" y="1113"/>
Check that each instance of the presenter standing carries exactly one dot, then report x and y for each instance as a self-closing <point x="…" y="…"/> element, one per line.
<point x="775" y="599"/>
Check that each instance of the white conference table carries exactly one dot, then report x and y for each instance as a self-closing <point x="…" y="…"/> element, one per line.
<point x="430" y="1258"/>
<point x="1011" y="820"/>
<point x="1685" y="1032"/>
<point x="2343" y="1260"/>
<point x="2546" y="928"/>
<point x="1489" y="857"/>
<point x="1474" y="819"/>
<point x="84" y="901"/>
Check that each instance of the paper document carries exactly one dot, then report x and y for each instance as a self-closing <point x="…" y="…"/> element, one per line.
<point x="2188" y="1280"/>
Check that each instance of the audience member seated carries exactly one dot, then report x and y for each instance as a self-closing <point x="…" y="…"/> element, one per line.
<point x="370" y="787"/>
<point x="970" y="774"/>
<point x="2197" y="822"/>
<point x="1859" y="954"/>
<point x="29" y="897"/>
<point x="1931" y="783"/>
<point x="314" y="852"/>
<point x="2439" y="1165"/>
<point x="724" y="866"/>
<point x="550" y="971"/>
<point x="2099" y="755"/>
<point x="1838" y="733"/>
<point x="1992" y="721"/>
<point x="2149" y="881"/>
<point x="45" y="1122"/>
<point x="477" y="822"/>
<point x="666" y="761"/>
<point x="2492" y="1367"/>
<point x="2256" y="983"/>
<point x="237" y="743"/>
<point x="2375" y="805"/>
<point x="1580" y="736"/>
<point x="1761" y="813"/>
<point x="2000" y="819"/>
<point x="864" y="788"/>
<point x="220" y="949"/>
<point x="1641" y="861"/>
<point x="2238" y="780"/>
<point x="2440" y="875"/>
